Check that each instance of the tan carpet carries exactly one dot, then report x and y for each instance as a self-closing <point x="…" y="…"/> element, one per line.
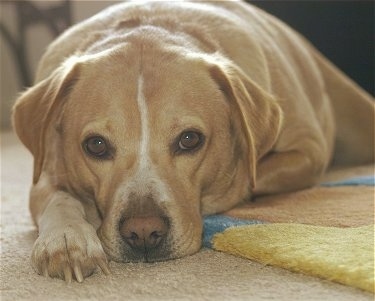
<point x="207" y="275"/>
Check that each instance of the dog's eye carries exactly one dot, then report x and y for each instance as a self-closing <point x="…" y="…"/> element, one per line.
<point x="97" y="147"/>
<point x="190" y="140"/>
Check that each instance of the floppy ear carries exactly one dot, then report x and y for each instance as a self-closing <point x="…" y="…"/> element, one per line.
<point x="35" y="108"/>
<point x="259" y="113"/>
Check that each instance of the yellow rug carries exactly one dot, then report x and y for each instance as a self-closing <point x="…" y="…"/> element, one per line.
<point x="344" y="255"/>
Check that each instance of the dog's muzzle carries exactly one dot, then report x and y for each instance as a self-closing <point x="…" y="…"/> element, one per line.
<point x="145" y="231"/>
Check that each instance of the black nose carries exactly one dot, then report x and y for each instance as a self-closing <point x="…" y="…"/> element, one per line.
<point x="144" y="233"/>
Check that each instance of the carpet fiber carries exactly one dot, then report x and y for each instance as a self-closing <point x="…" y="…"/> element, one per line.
<point x="207" y="275"/>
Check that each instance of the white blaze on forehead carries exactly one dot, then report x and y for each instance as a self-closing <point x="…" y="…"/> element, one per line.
<point x="145" y="135"/>
<point x="146" y="180"/>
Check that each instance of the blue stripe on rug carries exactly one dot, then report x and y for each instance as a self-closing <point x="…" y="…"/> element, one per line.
<point x="357" y="181"/>
<point x="218" y="223"/>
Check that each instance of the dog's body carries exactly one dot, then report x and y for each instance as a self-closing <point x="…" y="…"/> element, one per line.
<point x="149" y="115"/>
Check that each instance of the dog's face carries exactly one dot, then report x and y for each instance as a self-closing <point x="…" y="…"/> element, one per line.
<point x="156" y="139"/>
<point x="152" y="144"/>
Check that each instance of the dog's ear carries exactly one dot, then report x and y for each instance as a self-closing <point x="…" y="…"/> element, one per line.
<point x="259" y="112"/>
<point x="36" y="107"/>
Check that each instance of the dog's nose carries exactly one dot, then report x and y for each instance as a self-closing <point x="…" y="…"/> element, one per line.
<point x="142" y="233"/>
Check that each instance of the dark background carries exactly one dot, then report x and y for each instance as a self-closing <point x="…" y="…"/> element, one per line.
<point x="342" y="30"/>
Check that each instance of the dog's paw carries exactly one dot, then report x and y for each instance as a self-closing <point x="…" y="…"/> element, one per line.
<point x="67" y="251"/>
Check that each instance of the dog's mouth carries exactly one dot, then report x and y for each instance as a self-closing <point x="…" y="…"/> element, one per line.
<point x="145" y="229"/>
<point x="149" y="239"/>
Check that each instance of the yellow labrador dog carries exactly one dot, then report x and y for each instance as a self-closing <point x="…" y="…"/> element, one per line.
<point x="148" y="116"/>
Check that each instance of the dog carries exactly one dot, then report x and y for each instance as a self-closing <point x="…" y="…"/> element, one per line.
<point x="150" y="115"/>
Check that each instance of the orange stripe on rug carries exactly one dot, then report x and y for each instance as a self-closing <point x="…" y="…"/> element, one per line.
<point x="344" y="206"/>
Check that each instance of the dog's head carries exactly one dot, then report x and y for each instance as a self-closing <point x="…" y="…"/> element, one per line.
<point x="155" y="137"/>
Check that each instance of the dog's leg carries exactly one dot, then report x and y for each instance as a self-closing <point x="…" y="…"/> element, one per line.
<point x="67" y="244"/>
<point x="287" y="171"/>
<point x="354" y="111"/>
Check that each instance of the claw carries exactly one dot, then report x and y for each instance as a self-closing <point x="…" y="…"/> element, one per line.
<point x="78" y="272"/>
<point x="103" y="264"/>
<point x="67" y="274"/>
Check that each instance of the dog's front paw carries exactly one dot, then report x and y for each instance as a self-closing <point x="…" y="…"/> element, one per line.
<point x="67" y="251"/>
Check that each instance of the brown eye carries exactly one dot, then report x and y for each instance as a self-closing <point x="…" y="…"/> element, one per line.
<point x="97" y="147"/>
<point x="190" y="140"/>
